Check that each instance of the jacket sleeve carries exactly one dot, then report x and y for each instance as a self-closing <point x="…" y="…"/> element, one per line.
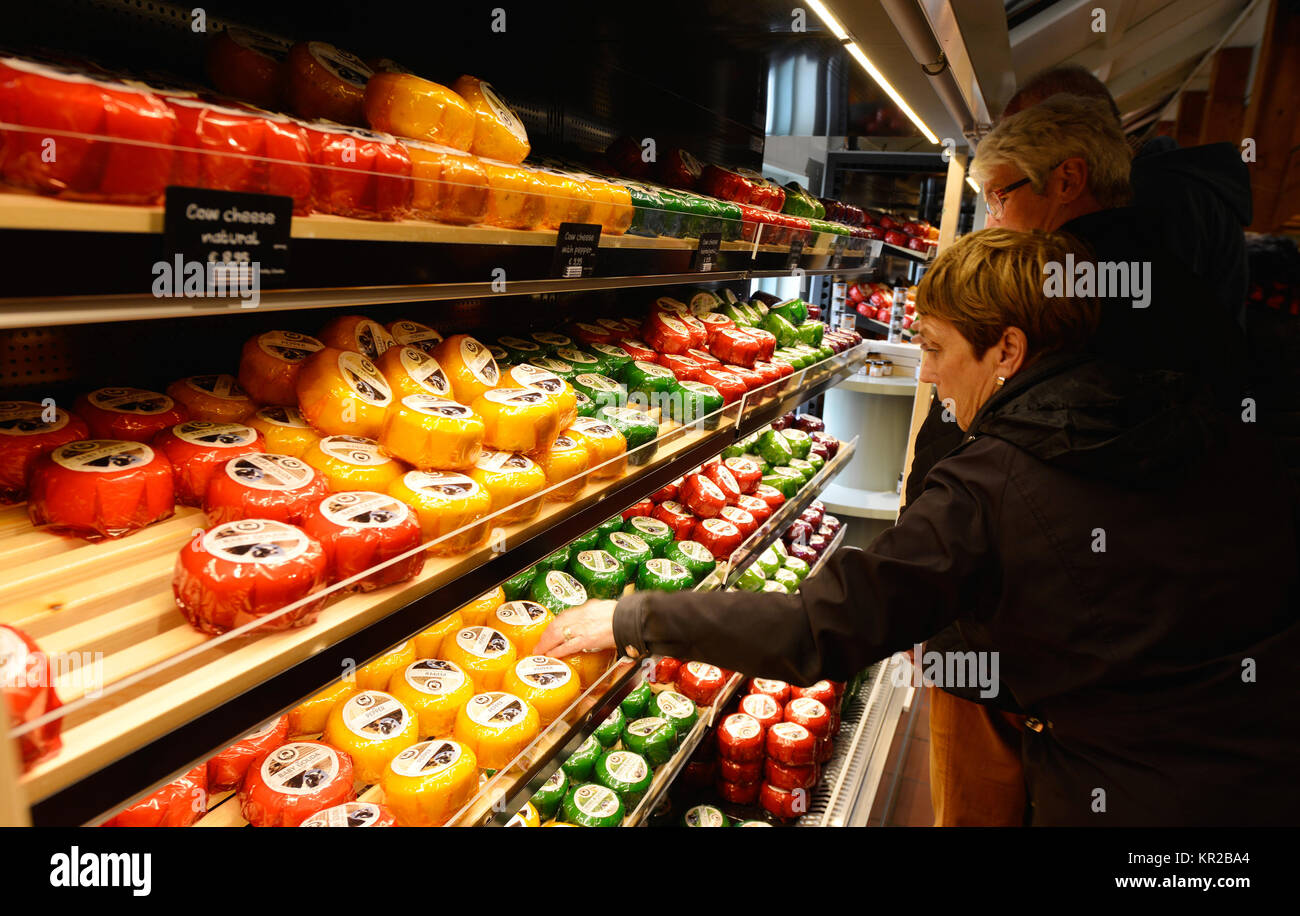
<point x="912" y="581"/>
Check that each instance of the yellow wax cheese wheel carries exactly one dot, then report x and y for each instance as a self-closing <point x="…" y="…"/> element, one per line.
<point x="342" y="393"/>
<point x="358" y="333"/>
<point x="309" y="717"/>
<point x="523" y="622"/>
<point x="285" y="430"/>
<point x="476" y="612"/>
<point x="376" y="675"/>
<point x="373" y="727"/>
<point x="269" y="365"/>
<point x="433" y="433"/>
<point x="408" y="106"/>
<point x="215" y="398"/>
<point x="353" y="463"/>
<point x="525" y="817"/>
<point x="515" y="196"/>
<point x="534" y="378"/>
<point x="410" y="370"/>
<point x="430" y="781"/>
<point x="428" y="643"/>
<point x="566" y="201"/>
<point x="497" y="726"/>
<point x="498" y="132"/>
<point x="447" y="185"/>
<point x="435" y="689"/>
<point x="518" y="420"/>
<point x="469" y="366"/>
<point x="550" y="685"/>
<point x="484" y="653"/>
<point x="408" y="333"/>
<point x="590" y="665"/>
<point x="511" y="480"/>
<point x="565" y="465"/>
<point x="604" y="444"/>
<point x="445" y="502"/>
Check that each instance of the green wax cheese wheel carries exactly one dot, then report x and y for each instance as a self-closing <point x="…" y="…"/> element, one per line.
<point x="637" y="427"/>
<point x="751" y="580"/>
<point x="555" y="366"/>
<point x="579" y="359"/>
<point x="735" y="450"/>
<point x="787" y="485"/>
<point x="613" y="523"/>
<point x="550" y="340"/>
<point x="698" y="400"/>
<point x="797" y="566"/>
<point x="800" y="442"/>
<point x="628" y="549"/>
<point x="702" y="302"/>
<point x="727" y="296"/>
<point x="810" y="332"/>
<point x="787" y="578"/>
<point x="627" y="773"/>
<point x="738" y="313"/>
<point x="600" y="574"/>
<point x="614" y="358"/>
<point x="634" y="704"/>
<point x="677" y="710"/>
<point x="586" y="407"/>
<point x="582" y="761"/>
<point x="593" y="805"/>
<point x="609" y="731"/>
<point x="763" y="466"/>
<point x="558" y="560"/>
<point x="824" y="352"/>
<point x="783" y="330"/>
<point x="557" y="591"/>
<point x="759" y="307"/>
<point x="653" y="737"/>
<point x="519" y="350"/>
<point x="792" y="310"/>
<point x="603" y="390"/>
<point x="693" y="555"/>
<point x="646" y="379"/>
<point x="588" y="541"/>
<point x="547" y="799"/>
<point x="654" y="532"/>
<point x="774" y="448"/>
<point x="774" y="586"/>
<point x="779" y="548"/>
<point x="518" y="585"/>
<point x="663" y="575"/>
<point x="817" y="461"/>
<point x="704" y="816"/>
<point x="769" y="562"/>
<point x="805" y="469"/>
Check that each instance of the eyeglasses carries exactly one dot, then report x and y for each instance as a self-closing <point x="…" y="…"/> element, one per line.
<point x="995" y="201"/>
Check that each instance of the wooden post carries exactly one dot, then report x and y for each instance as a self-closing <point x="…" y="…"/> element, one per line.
<point x="1273" y="120"/>
<point x="13" y="800"/>
<point x="1191" y="111"/>
<point x="1226" y="109"/>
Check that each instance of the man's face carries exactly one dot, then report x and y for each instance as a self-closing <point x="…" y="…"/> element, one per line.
<point x="1024" y="209"/>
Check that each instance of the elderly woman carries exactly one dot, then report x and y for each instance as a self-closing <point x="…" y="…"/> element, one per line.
<point x="1093" y="529"/>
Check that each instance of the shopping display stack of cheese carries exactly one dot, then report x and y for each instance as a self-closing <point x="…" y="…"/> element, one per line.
<point x="876" y="301"/>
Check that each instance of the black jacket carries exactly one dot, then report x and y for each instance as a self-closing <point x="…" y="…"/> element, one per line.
<point x="1132" y="656"/>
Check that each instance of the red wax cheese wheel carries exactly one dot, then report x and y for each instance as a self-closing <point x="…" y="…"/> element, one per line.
<point x="263" y="485"/>
<point x="740" y="738"/>
<point x="320" y="81"/>
<point x="217" y="398"/>
<point x="352" y="814"/>
<point x="27" y="431"/>
<point x="705" y="359"/>
<point x="789" y="778"/>
<point x="783" y="804"/>
<point x="269" y="365"/>
<point x="177" y="804"/>
<point x="246" y="65"/>
<point x="643" y="509"/>
<point x="359" y="173"/>
<point x="765" y="709"/>
<point x="700" y="683"/>
<point x="360" y="529"/>
<point x="198" y="448"/>
<point x="702" y="496"/>
<point x="27" y="685"/>
<point x="226" y="770"/>
<point x="811" y="714"/>
<point x="738" y="793"/>
<point x="720" y="536"/>
<point x="101" y="488"/>
<point x="637" y="349"/>
<point x="666" y="670"/>
<point x="760" y="510"/>
<point x="667" y="333"/>
<point x="294" y="782"/>
<point x="744" y="521"/>
<point x="822" y="690"/>
<point x="777" y="690"/>
<point x="723" y="479"/>
<point x="769" y="494"/>
<point x="241" y="571"/>
<point x="128" y="413"/>
<point x="791" y="744"/>
<point x="728" y="384"/>
<point x="745" y="472"/>
<point x="666" y="493"/>
<point x="740" y="771"/>
<point x="677" y="517"/>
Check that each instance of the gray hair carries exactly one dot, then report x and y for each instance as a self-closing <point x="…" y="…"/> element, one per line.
<point x="1059" y="128"/>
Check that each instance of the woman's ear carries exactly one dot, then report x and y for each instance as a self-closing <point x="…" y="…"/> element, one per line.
<point x="1011" y="352"/>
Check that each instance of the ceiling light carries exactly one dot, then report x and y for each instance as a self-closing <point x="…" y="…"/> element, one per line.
<point x="831" y="22"/>
<point x="879" y="77"/>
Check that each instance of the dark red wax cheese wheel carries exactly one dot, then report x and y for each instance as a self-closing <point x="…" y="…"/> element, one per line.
<point x="718" y="535"/>
<point x="783" y="804"/>
<point x="264" y="485"/>
<point x="755" y="507"/>
<point x="777" y="690"/>
<point x="700" y="683"/>
<point x="744" y="521"/>
<point x="294" y="782"/>
<point x="677" y="517"/>
<point x="743" y="793"/>
<point x="791" y="744"/>
<point x="770" y="495"/>
<point x="128" y="413"/>
<point x="811" y="714"/>
<point x="702" y="496"/>
<point x="724" y="480"/>
<point x="740" y="738"/>
<point x="227" y="769"/>
<point x="101" y="488"/>
<point x="740" y="771"/>
<point x="764" y="709"/>
<point x="787" y="777"/>
<point x="822" y="690"/>
<point x="198" y="448"/>
<point x="645" y="507"/>
<point x="666" y="670"/>
<point x="359" y="529"/>
<point x="745" y="471"/>
<point x="666" y="493"/>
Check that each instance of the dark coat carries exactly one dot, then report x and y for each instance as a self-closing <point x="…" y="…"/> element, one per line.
<point x="1131" y="656"/>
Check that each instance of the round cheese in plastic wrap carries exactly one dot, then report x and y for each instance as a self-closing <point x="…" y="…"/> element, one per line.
<point x="516" y="196"/>
<point x="523" y="623"/>
<point x="341" y="393"/>
<point x="590" y="665"/>
<point x="216" y="398"/>
<point x="375" y="675"/>
<point x="246" y="65"/>
<point x="410" y="370"/>
<point x="227" y="769"/>
<point x="361" y="529"/>
<point x="604" y="444"/>
<point x="352" y="814"/>
<point x="359" y="334"/>
<point x="353" y="463"/>
<point x="447" y="186"/>
<point x="535" y="378"/>
<point x="309" y="716"/>
<point x="407" y="333"/>
<point x="476" y="612"/>
<point x="177" y="804"/>
<point x="269" y="365"/>
<point x="484" y="653"/>
<point x="294" y="782"/>
<point x="428" y="642"/>
<point x="429" y="782"/>
<point x="446" y="502"/>
<point x="407" y="106"/>
<point x="435" y="690"/>
<point x="28" y="430"/>
<point x="320" y="81"/>
<point x="547" y="684"/>
<point x="284" y="431"/>
<point x="518" y="420"/>
<point x="433" y="433"/>
<point x="27" y="689"/>
<point x="564" y="463"/>
<point x="498" y="132"/>
<point x="469" y="365"/>
<point x="100" y="488"/>
<point x="241" y="571"/>
<point x="566" y="199"/>
<point x="496" y="726"/>
<point x="359" y="173"/>
<point x="372" y="727"/>
<point x="128" y="413"/>
<point x="511" y="480"/>
<point x="263" y="485"/>
<point x="197" y="449"/>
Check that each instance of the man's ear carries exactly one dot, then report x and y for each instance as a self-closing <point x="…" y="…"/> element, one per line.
<point x="1012" y="351"/>
<point x="1072" y="175"/>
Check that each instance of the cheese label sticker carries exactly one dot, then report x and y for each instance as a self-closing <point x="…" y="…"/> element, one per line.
<point x="590" y="426"/>
<point x="791" y="731"/>
<point x="543" y="671"/>
<point x="265" y="471"/>
<point x="564" y="587"/>
<point x="414" y="334"/>
<point x="355" y="450"/>
<point x="496" y="710"/>
<point x="342" y="64"/>
<point x="364" y="509"/>
<point x="552" y="340"/>
<point x="795" y="435"/>
<point x="741" y="727"/>
<point x="13" y="659"/>
<point x="289" y="346"/>
<point x="629" y="542"/>
<point x="775" y="587"/>
<point x="808" y="708"/>
<point x="551" y="365"/>
<point x="102" y="455"/>
<point x="598" y="561"/>
<point x="564" y="443"/>
<point x="704" y="816"/>
<point x="652" y="369"/>
<point x="651" y="526"/>
<point x="733" y="515"/>
<point x="351" y="814"/>
<point x="703" y="671"/>
<point x="272" y="47"/>
<point x="505" y="116"/>
<point x="501" y="461"/>
<point x="424" y="370"/>
<point x="787" y="472"/>
<point x="596" y="801"/>
<point x="479" y="361"/>
<point x="674" y="507"/>
<point x="521" y="613"/>
<point x="557" y="780"/>
<point x="643" y="727"/>
<point x="666" y="568"/>
<point x="131" y="400"/>
<point x="696" y="551"/>
<point x="571" y="355"/>
<point x="626" y="415"/>
<point x="437" y="407"/>
<point x="673" y="324"/>
<point x="255" y="540"/>
<point x="671" y="305"/>
<point x="27" y="418"/>
<point x="674" y="704"/>
<point x="710" y="489"/>
<point x="426" y="758"/>
<point x="720" y="527"/>
<point x="518" y="343"/>
<point x="219" y="386"/>
<point x="283" y="416"/>
<point x="742" y="464"/>
<point x="371" y="339"/>
<point x="538" y="379"/>
<point x="515" y="397"/>
<point x="434" y="676"/>
<point x="300" y="768"/>
<point x="522" y="817"/>
<point x="627" y="767"/>
<point x="453" y="486"/>
<point x="364" y="379"/>
<point x="613" y="324"/>
<point x="220" y="435"/>
<point x="760" y="705"/>
<point x="374" y="714"/>
<point x="770" y="686"/>
<point x="483" y="642"/>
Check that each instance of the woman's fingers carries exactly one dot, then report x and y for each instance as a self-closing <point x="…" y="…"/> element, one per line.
<point x="588" y="628"/>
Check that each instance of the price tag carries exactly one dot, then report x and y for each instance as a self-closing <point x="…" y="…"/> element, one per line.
<point x="575" y="250"/>
<point x="837" y="251"/>
<point x="226" y="229"/>
<point x="796" y="252"/>
<point x="706" y="255"/>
